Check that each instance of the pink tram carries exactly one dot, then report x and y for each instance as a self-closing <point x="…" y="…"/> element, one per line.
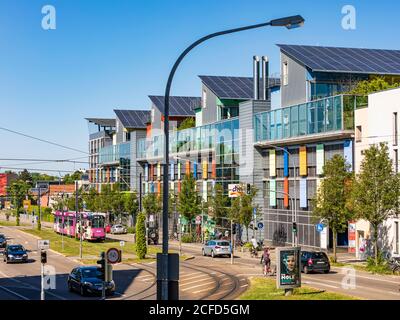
<point x="67" y="223"/>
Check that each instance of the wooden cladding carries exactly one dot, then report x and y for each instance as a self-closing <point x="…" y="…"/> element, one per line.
<point x="303" y="161"/>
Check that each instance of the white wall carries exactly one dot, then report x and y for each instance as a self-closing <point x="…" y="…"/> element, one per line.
<point x="378" y="126"/>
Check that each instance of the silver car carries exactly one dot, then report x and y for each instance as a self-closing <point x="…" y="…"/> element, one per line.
<point x="215" y="248"/>
<point x="118" y="229"/>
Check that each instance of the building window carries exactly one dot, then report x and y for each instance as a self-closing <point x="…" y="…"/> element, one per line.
<point x="152" y="115"/>
<point x="396" y="160"/>
<point x="358" y="133"/>
<point x="395" y="133"/>
<point x="397" y="240"/>
<point x="285" y="73"/>
<point x="204" y="99"/>
<point x="127" y="136"/>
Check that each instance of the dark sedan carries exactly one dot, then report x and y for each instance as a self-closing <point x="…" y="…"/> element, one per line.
<point x="88" y="280"/>
<point x="15" y="253"/>
<point x="315" y="261"/>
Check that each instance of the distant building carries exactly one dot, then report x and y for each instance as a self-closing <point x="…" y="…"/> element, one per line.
<point x="5" y="181"/>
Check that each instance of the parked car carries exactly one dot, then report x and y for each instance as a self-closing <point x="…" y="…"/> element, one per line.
<point x="3" y="242"/>
<point x="15" y="253"/>
<point x="315" y="261"/>
<point x="108" y="228"/>
<point x="118" y="229"/>
<point x="217" y="248"/>
<point x="88" y="280"/>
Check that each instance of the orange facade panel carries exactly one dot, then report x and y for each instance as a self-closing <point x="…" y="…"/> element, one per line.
<point x="213" y="169"/>
<point x="187" y="167"/>
<point x="179" y="186"/>
<point x="303" y="161"/>
<point x="286" y="192"/>
<point x="159" y="187"/>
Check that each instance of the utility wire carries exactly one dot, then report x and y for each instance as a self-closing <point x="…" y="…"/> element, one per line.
<point x="42" y="140"/>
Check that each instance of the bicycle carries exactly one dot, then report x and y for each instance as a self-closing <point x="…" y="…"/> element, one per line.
<point x="394" y="264"/>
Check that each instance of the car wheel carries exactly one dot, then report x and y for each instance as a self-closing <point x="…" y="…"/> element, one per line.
<point x="305" y="269"/>
<point x="212" y="254"/>
<point x="203" y="252"/>
<point x="327" y="271"/>
<point x="82" y="291"/>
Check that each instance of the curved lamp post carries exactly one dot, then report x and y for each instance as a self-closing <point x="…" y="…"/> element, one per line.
<point x="288" y="22"/>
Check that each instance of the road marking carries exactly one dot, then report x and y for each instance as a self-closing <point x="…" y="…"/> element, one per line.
<point x="202" y="290"/>
<point x="194" y="277"/>
<point x="321" y="284"/>
<point x="14" y="293"/>
<point x="199" y="285"/>
<point x="143" y="277"/>
<point x="185" y="284"/>
<point x="245" y="285"/>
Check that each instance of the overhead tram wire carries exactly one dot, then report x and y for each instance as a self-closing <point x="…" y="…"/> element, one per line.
<point x="37" y="170"/>
<point x="42" y="140"/>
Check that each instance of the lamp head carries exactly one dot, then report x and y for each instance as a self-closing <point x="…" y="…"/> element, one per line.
<point x="288" y="22"/>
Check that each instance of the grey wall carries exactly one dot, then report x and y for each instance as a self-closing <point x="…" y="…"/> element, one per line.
<point x="119" y="131"/>
<point x="295" y="91"/>
<point x="135" y="169"/>
<point x="209" y="114"/>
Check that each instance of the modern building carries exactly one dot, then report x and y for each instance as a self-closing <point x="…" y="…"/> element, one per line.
<point x="273" y="133"/>
<point x="376" y="123"/>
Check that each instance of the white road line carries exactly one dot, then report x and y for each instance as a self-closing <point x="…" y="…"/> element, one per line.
<point x="14" y="293"/>
<point x="185" y="284"/>
<point x="199" y="285"/>
<point x="202" y="290"/>
<point x="321" y="284"/>
<point x="194" y="277"/>
<point x="245" y="285"/>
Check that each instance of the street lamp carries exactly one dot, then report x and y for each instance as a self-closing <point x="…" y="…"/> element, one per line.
<point x="288" y="22"/>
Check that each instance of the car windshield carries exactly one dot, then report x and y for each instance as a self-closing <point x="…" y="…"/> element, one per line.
<point x="318" y="255"/>
<point x="16" y="248"/>
<point x="223" y="243"/>
<point x="98" y="221"/>
<point x="91" y="273"/>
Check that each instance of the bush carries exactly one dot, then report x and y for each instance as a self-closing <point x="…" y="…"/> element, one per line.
<point x="131" y="230"/>
<point x="248" y="245"/>
<point x="382" y="266"/>
<point x="141" y="246"/>
<point x="188" y="238"/>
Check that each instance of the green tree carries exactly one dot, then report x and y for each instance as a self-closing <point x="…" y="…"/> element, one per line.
<point x="25" y="176"/>
<point x="90" y="199"/>
<point x="246" y="208"/>
<point x="70" y="179"/>
<point x="152" y="204"/>
<point x="187" y="123"/>
<point x="131" y="204"/>
<point x="376" y="190"/>
<point x="188" y="200"/>
<point x="331" y="202"/>
<point x="219" y="202"/>
<point x="141" y="246"/>
<point x="366" y="87"/>
<point x="19" y="191"/>
<point x="71" y="201"/>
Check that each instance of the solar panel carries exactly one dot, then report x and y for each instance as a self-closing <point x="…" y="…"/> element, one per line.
<point x="346" y="60"/>
<point x="133" y="119"/>
<point x="102" y="122"/>
<point x="240" y="88"/>
<point x="178" y="106"/>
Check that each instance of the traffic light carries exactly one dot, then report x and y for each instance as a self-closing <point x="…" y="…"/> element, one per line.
<point x="43" y="257"/>
<point x="294" y="227"/>
<point x="248" y="188"/>
<point x="102" y="263"/>
<point x="234" y="228"/>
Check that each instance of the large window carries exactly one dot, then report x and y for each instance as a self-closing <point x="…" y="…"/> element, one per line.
<point x="285" y="73"/>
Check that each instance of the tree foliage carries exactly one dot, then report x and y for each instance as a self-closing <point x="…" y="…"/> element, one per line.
<point x="366" y="87"/>
<point x="71" y="178"/>
<point x="141" y="246"/>
<point x="219" y="202"/>
<point x="376" y="190"/>
<point x="152" y="204"/>
<point x="19" y="191"/>
<point x="331" y="202"/>
<point x="188" y="200"/>
<point x="187" y="123"/>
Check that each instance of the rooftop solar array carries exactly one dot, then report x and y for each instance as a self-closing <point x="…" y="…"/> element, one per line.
<point x="234" y="87"/>
<point x="133" y="119"/>
<point x="346" y="60"/>
<point x="178" y="106"/>
<point x="102" y="122"/>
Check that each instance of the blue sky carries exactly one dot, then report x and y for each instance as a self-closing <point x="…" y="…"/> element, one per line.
<point x="113" y="53"/>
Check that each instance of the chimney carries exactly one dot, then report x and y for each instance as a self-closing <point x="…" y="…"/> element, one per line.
<point x="265" y="77"/>
<point x="256" y="77"/>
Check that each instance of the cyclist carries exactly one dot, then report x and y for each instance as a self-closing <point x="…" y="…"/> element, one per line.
<point x="266" y="260"/>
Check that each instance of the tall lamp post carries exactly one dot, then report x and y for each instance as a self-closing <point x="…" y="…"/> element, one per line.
<point x="163" y="277"/>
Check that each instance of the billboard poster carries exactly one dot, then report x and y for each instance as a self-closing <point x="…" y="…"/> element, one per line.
<point x="288" y="268"/>
<point x="352" y="237"/>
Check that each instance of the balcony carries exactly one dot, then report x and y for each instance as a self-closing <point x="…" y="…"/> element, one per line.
<point x="332" y="116"/>
<point x="114" y="154"/>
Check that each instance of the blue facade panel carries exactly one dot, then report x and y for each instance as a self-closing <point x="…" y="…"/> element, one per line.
<point x="172" y="172"/>
<point x="195" y="170"/>
<point x="286" y="164"/>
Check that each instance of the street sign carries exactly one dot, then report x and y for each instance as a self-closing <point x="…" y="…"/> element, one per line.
<point x="43" y="244"/>
<point x="319" y="227"/>
<point x="235" y="190"/>
<point x="198" y="220"/>
<point x="255" y="211"/>
<point x="260" y="225"/>
<point x="113" y="255"/>
<point x="122" y="243"/>
<point x="151" y="218"/>
<point x="27" y="204"/>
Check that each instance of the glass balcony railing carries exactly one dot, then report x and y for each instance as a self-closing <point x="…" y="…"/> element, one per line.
<point x="115" y="153"/>
<point x="193" y="139"/>
<point x="320" y="116"/>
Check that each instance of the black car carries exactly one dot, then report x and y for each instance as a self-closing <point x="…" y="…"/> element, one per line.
<point x="3" y="242"/>
<point x="315" y="261"/>
<point x="15" y="253"/>
<point x="88" y="280"/>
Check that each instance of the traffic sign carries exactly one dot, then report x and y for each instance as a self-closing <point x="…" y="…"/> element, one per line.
<point x="113" y="255"/>
<point x="319" y="227"/>
<point x="255" y="211"/>
<point x="43" y="244"/>
<point x="260" y="225"/>
<point x="122" y="243"/>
